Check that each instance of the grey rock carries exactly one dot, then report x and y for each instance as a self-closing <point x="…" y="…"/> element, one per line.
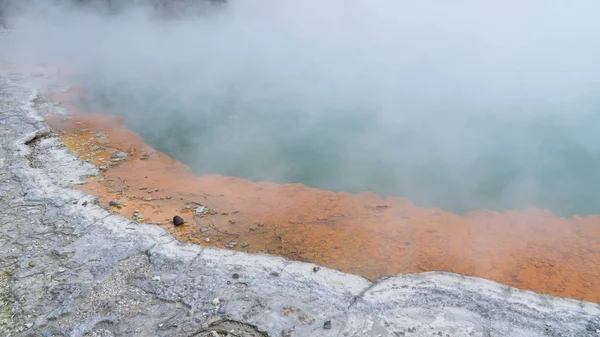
<point x="178" y="221"/>
<point x="120" y="155"/>
<point x="108" y="262"/>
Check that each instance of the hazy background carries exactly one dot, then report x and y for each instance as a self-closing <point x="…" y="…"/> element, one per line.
<point x="459" y="104"/>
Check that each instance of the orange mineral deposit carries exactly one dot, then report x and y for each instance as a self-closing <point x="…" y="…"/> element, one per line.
<point x="355" y="233"/>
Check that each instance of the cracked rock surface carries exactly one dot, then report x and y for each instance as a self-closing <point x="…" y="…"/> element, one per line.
<point x="70" y="268"/>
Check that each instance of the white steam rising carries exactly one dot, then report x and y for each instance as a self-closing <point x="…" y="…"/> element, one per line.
<point x="461" y="104"/>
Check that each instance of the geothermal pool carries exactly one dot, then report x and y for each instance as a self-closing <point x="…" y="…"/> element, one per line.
<point x="374" y="137"/>
<point x="460" y="106"/>
<point x="460" y="161"/>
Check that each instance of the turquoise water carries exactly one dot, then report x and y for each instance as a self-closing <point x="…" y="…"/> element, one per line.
<point x="460" y="105"/>
<point x="456" y="160"/>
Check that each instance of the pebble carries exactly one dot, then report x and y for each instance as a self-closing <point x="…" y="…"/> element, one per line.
<point x="32" y="263"/>
<point x="147" y="199"/>
<point x="84" y="203"/>
<point x="207" y="240"/>
<point x="120" y="155"/>
<point x="200" y="210"/>
<point x="235" y="276"/>
<point x="231" y="244"/>
<point x="61" y="270"/>
<point x="316" y="269"/>
<point x="178" y="221"/>
<point x="156" y="278"/>
<point x="115" y="204"/>
<point x="327" y="325"/>
<point x="216" y="301"/>
<point x="204" y="229"/>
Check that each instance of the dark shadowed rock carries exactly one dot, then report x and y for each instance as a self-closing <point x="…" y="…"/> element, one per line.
<point x="178" y="221"/>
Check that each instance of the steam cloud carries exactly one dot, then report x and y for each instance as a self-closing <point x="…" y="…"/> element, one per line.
<point x="460" y="104"/>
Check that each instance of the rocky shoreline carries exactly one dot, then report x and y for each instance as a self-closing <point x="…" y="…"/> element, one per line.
<point x="70" y="268"/>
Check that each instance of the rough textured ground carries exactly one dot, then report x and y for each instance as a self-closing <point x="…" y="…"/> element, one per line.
<point x="70" y="268"/>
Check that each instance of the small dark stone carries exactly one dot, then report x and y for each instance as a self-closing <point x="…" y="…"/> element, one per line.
<point x="316" y="269"/>
<point x="178" y="221"/>
<point x="235" y="276"/>
<point x="84" y="203"/>
<point x="327" y="325"/>
<point x="274" y="274"/>
<point x="114" y="204"/>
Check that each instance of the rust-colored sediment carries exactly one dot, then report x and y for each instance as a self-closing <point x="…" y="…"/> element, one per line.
<point x="355" y="233"/>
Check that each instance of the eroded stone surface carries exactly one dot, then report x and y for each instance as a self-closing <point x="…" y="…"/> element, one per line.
<point x="68" y="267"/>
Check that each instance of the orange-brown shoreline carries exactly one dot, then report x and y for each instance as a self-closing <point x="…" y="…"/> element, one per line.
<point x="356" y="233"/>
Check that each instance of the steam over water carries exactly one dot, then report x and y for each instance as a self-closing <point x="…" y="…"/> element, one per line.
<point x="457" y="104"/>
